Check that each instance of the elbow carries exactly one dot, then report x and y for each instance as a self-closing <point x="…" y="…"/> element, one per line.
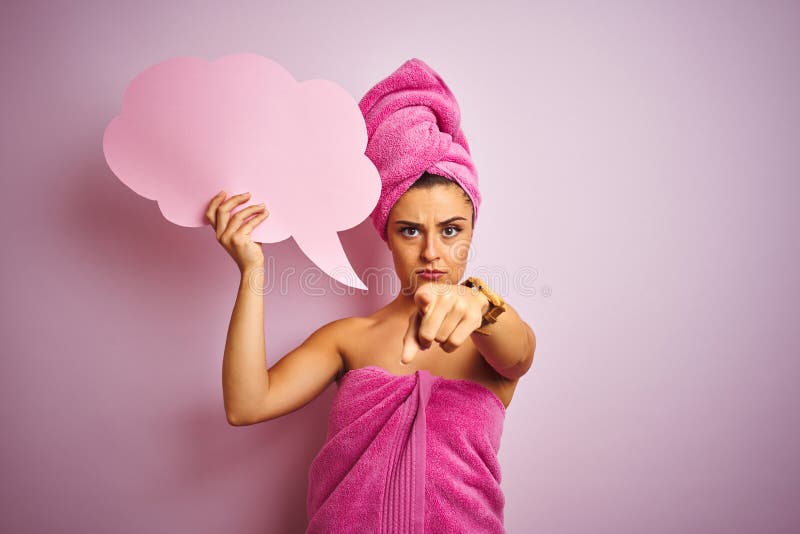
<point x="247" y="419"/>
<point x="240" y="421"/>
<point x="237" y="417"/>
<point x="525" y="363"/>
<point x="531" y="349"/>
<point x="245" y="414"/>
<point x="231" y="415"/>
<point x="532" y="341"/>
<point x="233" y="419"/>
<point x="521" y="367"/>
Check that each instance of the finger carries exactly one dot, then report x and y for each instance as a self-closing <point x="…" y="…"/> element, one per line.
<point x="224" y="209"/>
<point x="432" y="320"/>
<point x="236" y="220"/>
<point x="247" y="227"/>
<point x="211" y="212"/>
<point x="410" y="345"/>
<point x="460" y="334"/>
<point x="240" y="216"/>
<point x="424" y="297"/>
<point x="450" y="322"/>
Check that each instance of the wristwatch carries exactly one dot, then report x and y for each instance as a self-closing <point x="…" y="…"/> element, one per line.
<point x="496" y="304"/>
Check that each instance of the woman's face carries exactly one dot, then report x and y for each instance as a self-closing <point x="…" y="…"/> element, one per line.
<point x="430" y="228"/>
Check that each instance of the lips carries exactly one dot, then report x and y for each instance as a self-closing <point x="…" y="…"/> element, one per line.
<point x="430" y="274"/>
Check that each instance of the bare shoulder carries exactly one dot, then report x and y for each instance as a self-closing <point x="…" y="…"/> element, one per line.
<point x="339" y="329"/>
<point x="347" y="331"/>
<point x="338" y="333"/>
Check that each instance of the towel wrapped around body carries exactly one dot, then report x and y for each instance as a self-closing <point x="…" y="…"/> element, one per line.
<point x="408" y="454"/>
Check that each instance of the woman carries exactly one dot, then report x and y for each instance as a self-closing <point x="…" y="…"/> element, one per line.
<point x="424" y="382"/>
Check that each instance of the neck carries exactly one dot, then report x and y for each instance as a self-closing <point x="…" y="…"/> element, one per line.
<point x="404" y="304"/>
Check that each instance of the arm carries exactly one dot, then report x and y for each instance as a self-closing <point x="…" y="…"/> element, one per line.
<point x="254" y="393"/>
<point x="509" y="338"/>
<point x="251" y="392"/>
<point x="244" y="367"/>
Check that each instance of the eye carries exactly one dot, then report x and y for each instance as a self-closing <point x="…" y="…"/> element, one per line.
<point x="456" y="228"/>
<point x="407" y="228"/>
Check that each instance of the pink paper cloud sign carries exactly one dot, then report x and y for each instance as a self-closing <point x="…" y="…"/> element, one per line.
<point x="190" y="128"/>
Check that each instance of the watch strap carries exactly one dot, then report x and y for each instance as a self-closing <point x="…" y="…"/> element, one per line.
<point x="496" y="303"/>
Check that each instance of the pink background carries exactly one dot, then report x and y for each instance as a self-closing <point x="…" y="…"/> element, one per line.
<point x="640" y="158"/>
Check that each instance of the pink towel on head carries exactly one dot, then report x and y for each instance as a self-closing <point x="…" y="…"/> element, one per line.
<point x="408" y="454"/>
<point x="414" y="125"/>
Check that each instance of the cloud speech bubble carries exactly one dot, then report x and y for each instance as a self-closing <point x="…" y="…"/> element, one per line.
<point x="190" y="128"/>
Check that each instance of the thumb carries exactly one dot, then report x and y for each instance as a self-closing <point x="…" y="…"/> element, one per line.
<point x="410" y="342"/>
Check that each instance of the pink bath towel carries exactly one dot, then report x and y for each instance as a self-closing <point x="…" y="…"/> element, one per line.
<point x="408" y="454"/>
<point x="414" y="125"/>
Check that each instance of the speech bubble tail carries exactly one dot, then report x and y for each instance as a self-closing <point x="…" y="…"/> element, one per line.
<point x="328" y="254"/>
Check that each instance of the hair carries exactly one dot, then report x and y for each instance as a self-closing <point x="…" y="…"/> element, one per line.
<point x="428" y="181"/>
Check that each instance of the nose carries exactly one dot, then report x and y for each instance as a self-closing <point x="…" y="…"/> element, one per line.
<point x="430" y="251"/>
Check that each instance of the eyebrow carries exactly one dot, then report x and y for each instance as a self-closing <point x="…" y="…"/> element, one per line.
<point x="443" y="223"/>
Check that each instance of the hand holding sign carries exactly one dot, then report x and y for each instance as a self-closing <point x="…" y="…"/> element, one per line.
<point x="190" y="128"/>
<point x="233" y="232"/>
